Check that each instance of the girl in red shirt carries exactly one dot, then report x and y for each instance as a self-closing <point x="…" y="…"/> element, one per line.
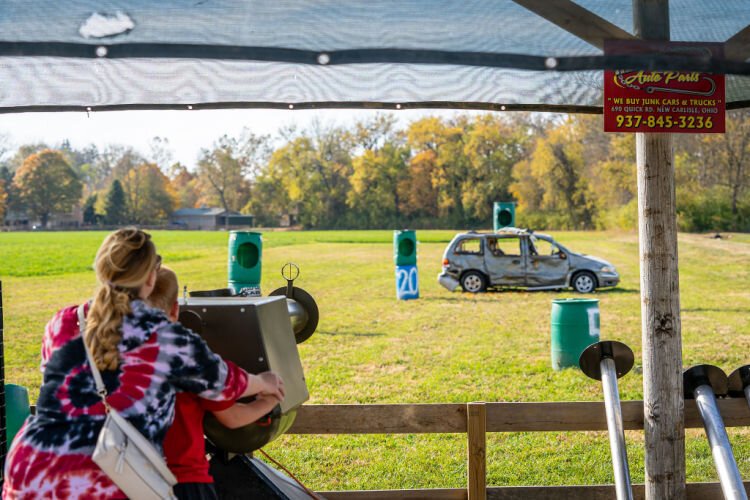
<point x="184" y="446"/>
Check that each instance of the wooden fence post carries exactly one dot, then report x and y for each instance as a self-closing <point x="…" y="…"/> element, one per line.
<point x="476" y="428"/>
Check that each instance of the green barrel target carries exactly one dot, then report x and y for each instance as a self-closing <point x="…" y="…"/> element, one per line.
<point x="575" y="325"/>
<point x="245" y="257"/>
<point x="405" y="247"/>
<point x="503" y="215"/>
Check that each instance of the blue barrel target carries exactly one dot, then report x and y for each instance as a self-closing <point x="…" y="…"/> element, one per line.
<point x="407" y="282"/>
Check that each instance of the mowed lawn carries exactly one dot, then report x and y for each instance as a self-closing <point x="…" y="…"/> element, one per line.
<point x="444" y="347"/>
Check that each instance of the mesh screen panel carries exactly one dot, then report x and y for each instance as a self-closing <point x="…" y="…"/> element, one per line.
<point x="474" y="53"/>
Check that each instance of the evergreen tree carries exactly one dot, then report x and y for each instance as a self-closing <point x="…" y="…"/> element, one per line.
<point x="90" y="216"/>
<point x="115" y="205"/>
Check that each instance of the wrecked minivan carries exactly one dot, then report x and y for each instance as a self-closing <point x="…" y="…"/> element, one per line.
<point x="520" y="258"/>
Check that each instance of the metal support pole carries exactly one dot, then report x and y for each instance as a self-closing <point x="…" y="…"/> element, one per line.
<point x="607" y="361"/>
<point x="616" y="430"/>
<point x="721" y="449"/>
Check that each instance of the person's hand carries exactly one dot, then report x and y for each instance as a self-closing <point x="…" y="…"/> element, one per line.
<point x="271" y="385"/>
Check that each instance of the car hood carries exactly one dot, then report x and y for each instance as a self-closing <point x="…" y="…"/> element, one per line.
<point x="592" y="259"/>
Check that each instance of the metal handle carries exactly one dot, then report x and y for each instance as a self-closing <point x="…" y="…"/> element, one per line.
<point x="616" y="430"/>
<point x="721" y="449"/>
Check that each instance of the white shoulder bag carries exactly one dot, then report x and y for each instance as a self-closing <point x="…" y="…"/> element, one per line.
<point x="128" y="458"/>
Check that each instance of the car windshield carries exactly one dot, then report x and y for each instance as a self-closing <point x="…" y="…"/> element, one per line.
<point x="538" y="246"/>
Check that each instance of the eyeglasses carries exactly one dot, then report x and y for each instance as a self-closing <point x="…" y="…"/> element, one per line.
<point x="158" y="263"/>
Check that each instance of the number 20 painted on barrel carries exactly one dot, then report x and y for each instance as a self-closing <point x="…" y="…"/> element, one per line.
<point x="407" y="282"/>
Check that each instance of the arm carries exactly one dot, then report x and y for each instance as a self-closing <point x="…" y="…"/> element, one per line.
<point x="265" y="384"/>
<point x="195" y="368"/>
<point x="191" y="366"/>
<point x="242" y="414"/>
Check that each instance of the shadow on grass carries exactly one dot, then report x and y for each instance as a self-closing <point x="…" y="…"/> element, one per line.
<point x="352" y="334"/>
<point x="715" y="309"/>
<point x="601" y="291"/>
<point x="454" y="298"/>
<point x="617" y="291"/>
<point x="461" y="296"/>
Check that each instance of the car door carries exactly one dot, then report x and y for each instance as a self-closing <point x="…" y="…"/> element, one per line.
<point x="504" y="260"/>
<point x="547" y="265"/>
<point x="468" y="254"/>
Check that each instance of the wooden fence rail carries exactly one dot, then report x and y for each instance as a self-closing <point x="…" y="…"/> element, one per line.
<point x="475" y="420"/>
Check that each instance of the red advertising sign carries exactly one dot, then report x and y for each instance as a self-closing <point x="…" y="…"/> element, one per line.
<point x="662" y="101"/>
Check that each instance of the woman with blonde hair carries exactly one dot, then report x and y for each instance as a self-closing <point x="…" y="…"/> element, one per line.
<point x="144" y="359"/>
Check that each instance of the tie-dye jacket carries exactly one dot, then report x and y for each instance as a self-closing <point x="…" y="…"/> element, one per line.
<point x="51" y="456"/>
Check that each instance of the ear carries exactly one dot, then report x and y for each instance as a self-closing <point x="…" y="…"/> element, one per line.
<point x="174" y="311"/>
<point x="151" y="281"/>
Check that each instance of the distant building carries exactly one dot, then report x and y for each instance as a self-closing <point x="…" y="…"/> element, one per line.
<point x="290" y="218"/>
<point x="22" y="219"/>
<point x="209" y="218"/>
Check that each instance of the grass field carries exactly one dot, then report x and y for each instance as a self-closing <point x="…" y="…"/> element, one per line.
<point x="444" y="347"/>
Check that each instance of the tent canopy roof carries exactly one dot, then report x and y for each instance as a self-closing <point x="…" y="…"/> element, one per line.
<point x="482" y="54"/>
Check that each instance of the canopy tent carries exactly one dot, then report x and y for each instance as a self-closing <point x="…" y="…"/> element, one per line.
<point x="478" y="54"/>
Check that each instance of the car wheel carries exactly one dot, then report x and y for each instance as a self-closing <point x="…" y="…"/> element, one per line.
<point x="584" y="282"/>
<point x="473" y="282"/>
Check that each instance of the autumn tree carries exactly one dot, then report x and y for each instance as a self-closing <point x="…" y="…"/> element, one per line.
<point x="728" y="155"/>
<point x="418" y="194"/>
<point x="378" y="166"/>
<point x="3" y="200"/>
<point x="84" y="163"/>
<point x="148" y="194"/>
<point x="185" y="186"/>
<point x="224" y="171"/>
<point x="11" y="197"/>
<point x="492" y="147"/>
<point x="160" y="153"/>
<point x="314" y="170"/>
<point x="553" y="182"/>
<point x="613" y="184"/>
<point x="446" y="143"/>
<point x="47" y="184"/>
<point x="24" y="151"/>
<point x="375" y="181"/>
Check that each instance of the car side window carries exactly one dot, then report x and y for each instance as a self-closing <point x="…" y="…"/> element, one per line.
<point x="509" y="247"/>
<point x="542" y="247"/>
<point x="469" y="246"/>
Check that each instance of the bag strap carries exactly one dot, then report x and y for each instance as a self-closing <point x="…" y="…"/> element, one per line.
<point x="100" y="389"/>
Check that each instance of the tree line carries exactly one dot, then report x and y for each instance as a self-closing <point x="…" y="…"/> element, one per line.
<point x="562" y="172"/>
